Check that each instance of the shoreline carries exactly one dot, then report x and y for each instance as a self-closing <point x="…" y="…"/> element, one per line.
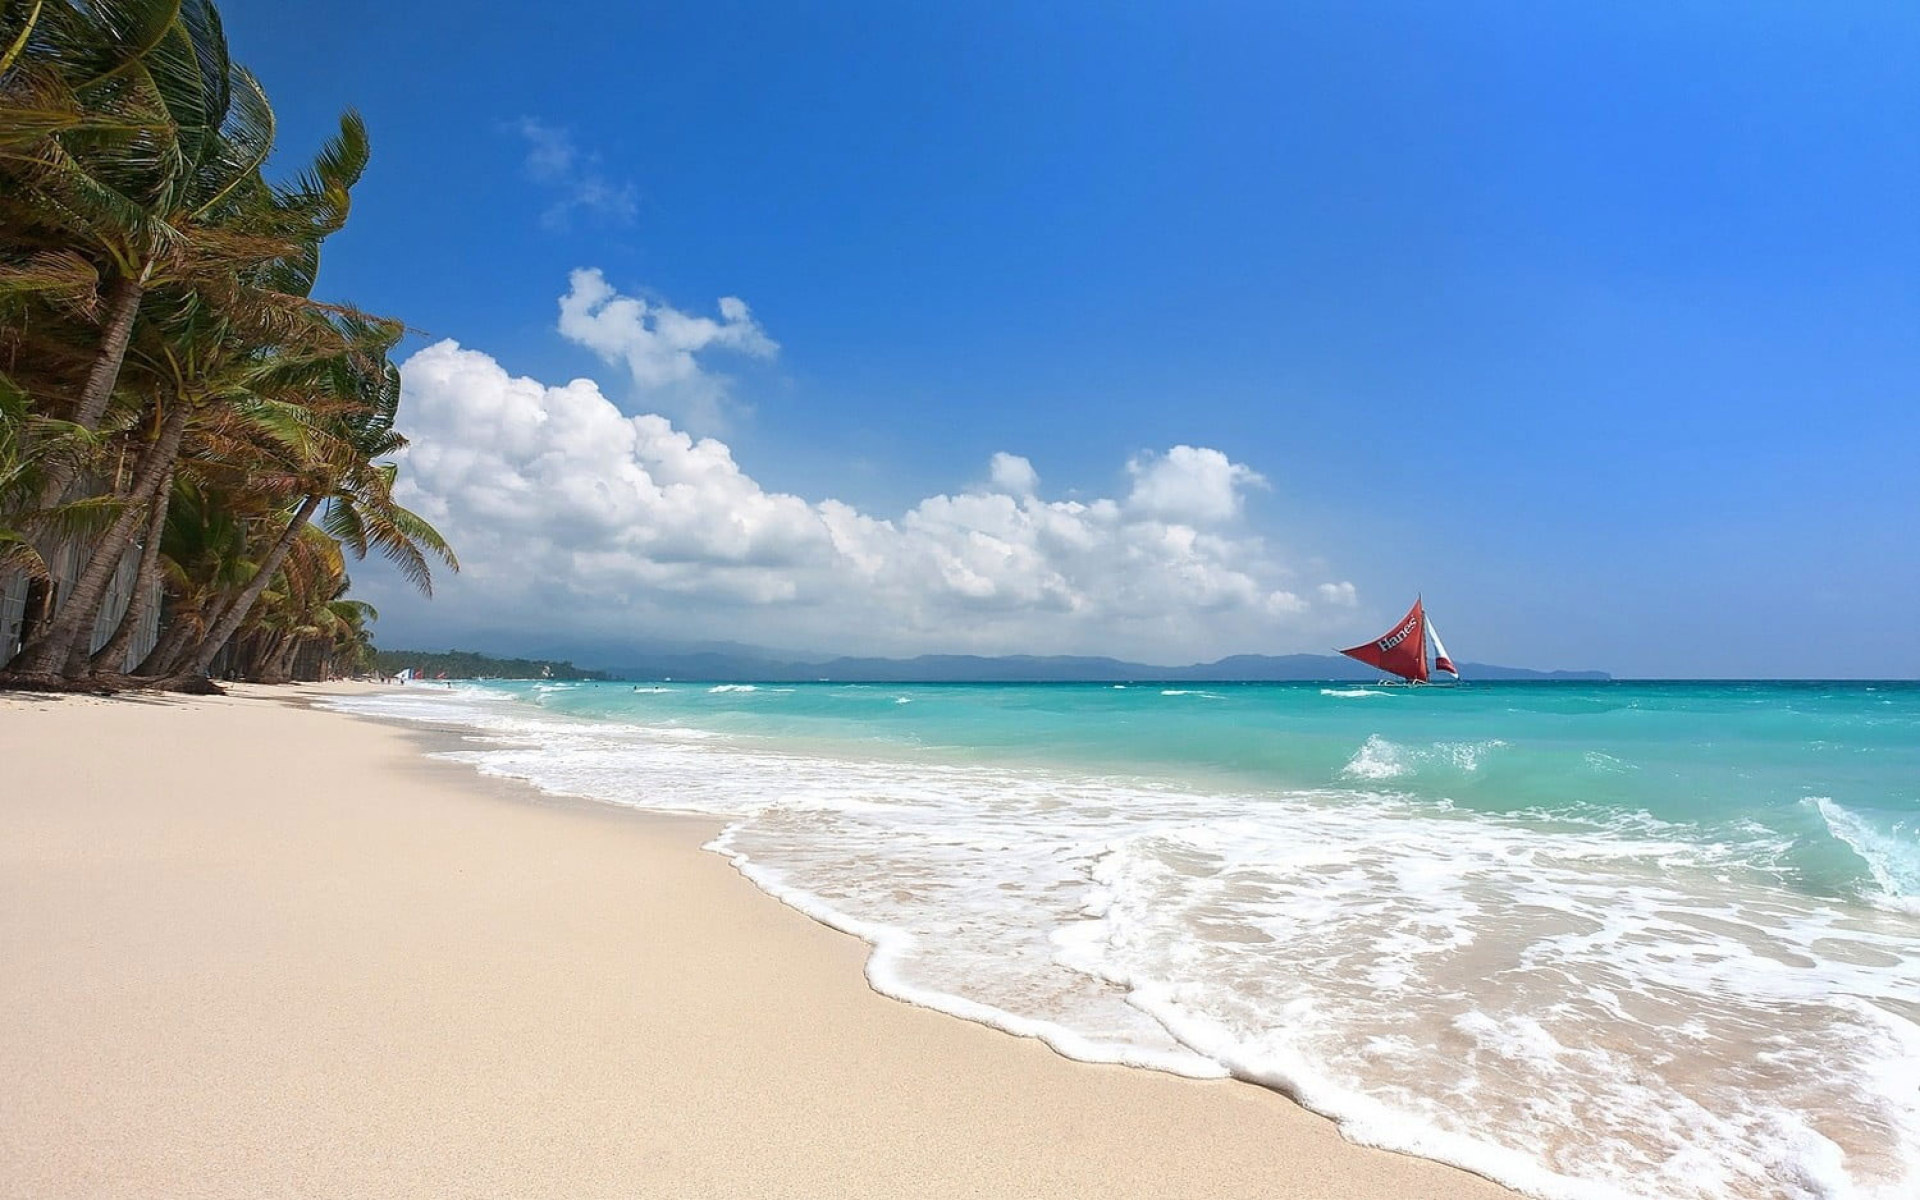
<point x="262" y="948"/>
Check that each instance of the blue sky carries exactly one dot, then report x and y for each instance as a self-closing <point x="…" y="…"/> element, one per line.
<point x="1597" y="324"/>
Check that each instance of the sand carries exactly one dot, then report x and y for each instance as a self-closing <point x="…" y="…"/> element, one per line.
<point x="249" y="949"/>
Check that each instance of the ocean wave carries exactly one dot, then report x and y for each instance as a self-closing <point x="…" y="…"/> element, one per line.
<point x="1379" y="967"/>
<point x="1381" y="759"/>
<point x="1377" y="758"/>
<point x="1606" y="764"/>
<point x="1892" y="861"/>
<point x="1350" y="693"/>
<point x="1203" y="694"/>
<point x="1632" y="1005"/>
<point x="890" y="972"/>
<point x="731" y="687"/>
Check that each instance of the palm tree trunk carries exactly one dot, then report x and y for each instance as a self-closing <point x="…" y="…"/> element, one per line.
<point x="230" y="620"/>
<point x="123" y="305"/>
<point x="279" y="668"/>
<point x="37" y="609"/>
<point x="113" y="656"/>
<point x="172" y="644"/>
<point x="213" y="615"/>
<point x="53" y="651"/>
<point x="254" y="654"/>
<point x="246" y="654"/>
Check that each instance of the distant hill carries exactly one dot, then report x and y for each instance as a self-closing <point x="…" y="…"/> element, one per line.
<point x="466" y="664"/>
<point x="735" y="667"/>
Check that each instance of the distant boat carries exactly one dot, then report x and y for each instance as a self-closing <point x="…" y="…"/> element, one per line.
<point x="1402" y="650"/>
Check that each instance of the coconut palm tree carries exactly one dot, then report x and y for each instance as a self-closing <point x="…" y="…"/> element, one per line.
<point x="355" y="397"/>
<point x="124" y="126"/>
<point x="130" y="148"/>
<point x="303" y="621"/>
<point x="220" y="334"/>
<point x="350" y="648"/>
<point x="203" y="556"/>
<point x="166" y="377"/>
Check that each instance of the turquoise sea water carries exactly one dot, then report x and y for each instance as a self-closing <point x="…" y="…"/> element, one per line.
<point x="1590" y="939"/>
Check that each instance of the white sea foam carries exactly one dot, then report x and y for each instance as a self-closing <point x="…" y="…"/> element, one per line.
<point x="1380" y="759"/>
<point x="1585" y="1006"/>
<point x="718" y="689"/>
<point x="1893" y="861"/>
<point x="1192" y="692"/>
<point x="1571" y="1016"/>
<point x="1352" y="693"/>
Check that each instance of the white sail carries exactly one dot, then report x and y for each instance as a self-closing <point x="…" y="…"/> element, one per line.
<point x="1440" y="660"/>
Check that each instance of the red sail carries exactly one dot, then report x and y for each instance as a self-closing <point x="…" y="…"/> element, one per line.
<point x="1401" y="650"/>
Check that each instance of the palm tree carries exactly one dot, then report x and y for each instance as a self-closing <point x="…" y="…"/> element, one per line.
<point x="222" y="332"/>
<point x="124" y="126"/>
<point x="349" y="650"/>
<point x="131" y="147"/>
<point x="166" y="377"/>
<point x="203" y="556"/>
<point x="112" y="657"/>
<point x="303" y="622"/>
<point x="338" y="468"/>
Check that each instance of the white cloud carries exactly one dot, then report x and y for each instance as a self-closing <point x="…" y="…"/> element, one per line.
<point x="1191" y="484"/>
<point x="1340" y="595"/>
<point x="571" y="516"/>
<point x="659" y="344"/>
<point x="554" y="160"/>
<point x="1013" y="474"/>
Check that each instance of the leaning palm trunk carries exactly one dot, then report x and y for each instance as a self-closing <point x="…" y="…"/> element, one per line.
<point x="230" y="621"/>
<point x="62" y="647"/>
<point x="279" y="667"/>
<point x="254" y="654"/>
<point x="178" y="638"/>
<point x="123" y="305"/>
<point x="113" y="655"/>
<point x="212" y="615"/>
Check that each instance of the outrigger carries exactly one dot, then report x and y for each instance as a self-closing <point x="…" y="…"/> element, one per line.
<point x="1402" y="650"/>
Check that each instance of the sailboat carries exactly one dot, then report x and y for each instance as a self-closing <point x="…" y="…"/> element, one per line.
<point x="1403" y="649"/>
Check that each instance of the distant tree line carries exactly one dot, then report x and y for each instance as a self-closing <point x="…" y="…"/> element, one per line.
<point x="466" y="664"/>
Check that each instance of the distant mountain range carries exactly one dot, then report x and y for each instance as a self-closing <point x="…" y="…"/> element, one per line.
<point x="733" y="666"/>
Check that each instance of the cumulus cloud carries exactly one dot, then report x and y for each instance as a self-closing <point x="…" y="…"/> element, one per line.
<point x="1013" y="474"/>
<point x="1339" y="595"/>
<point x="571" y="515"/>
<point x="1191" y="484"/>
<point x="659" y="345"/>
<point x="578" y="179"/>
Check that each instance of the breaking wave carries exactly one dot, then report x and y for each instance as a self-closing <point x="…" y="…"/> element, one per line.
<point x="1892" y="860"/>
